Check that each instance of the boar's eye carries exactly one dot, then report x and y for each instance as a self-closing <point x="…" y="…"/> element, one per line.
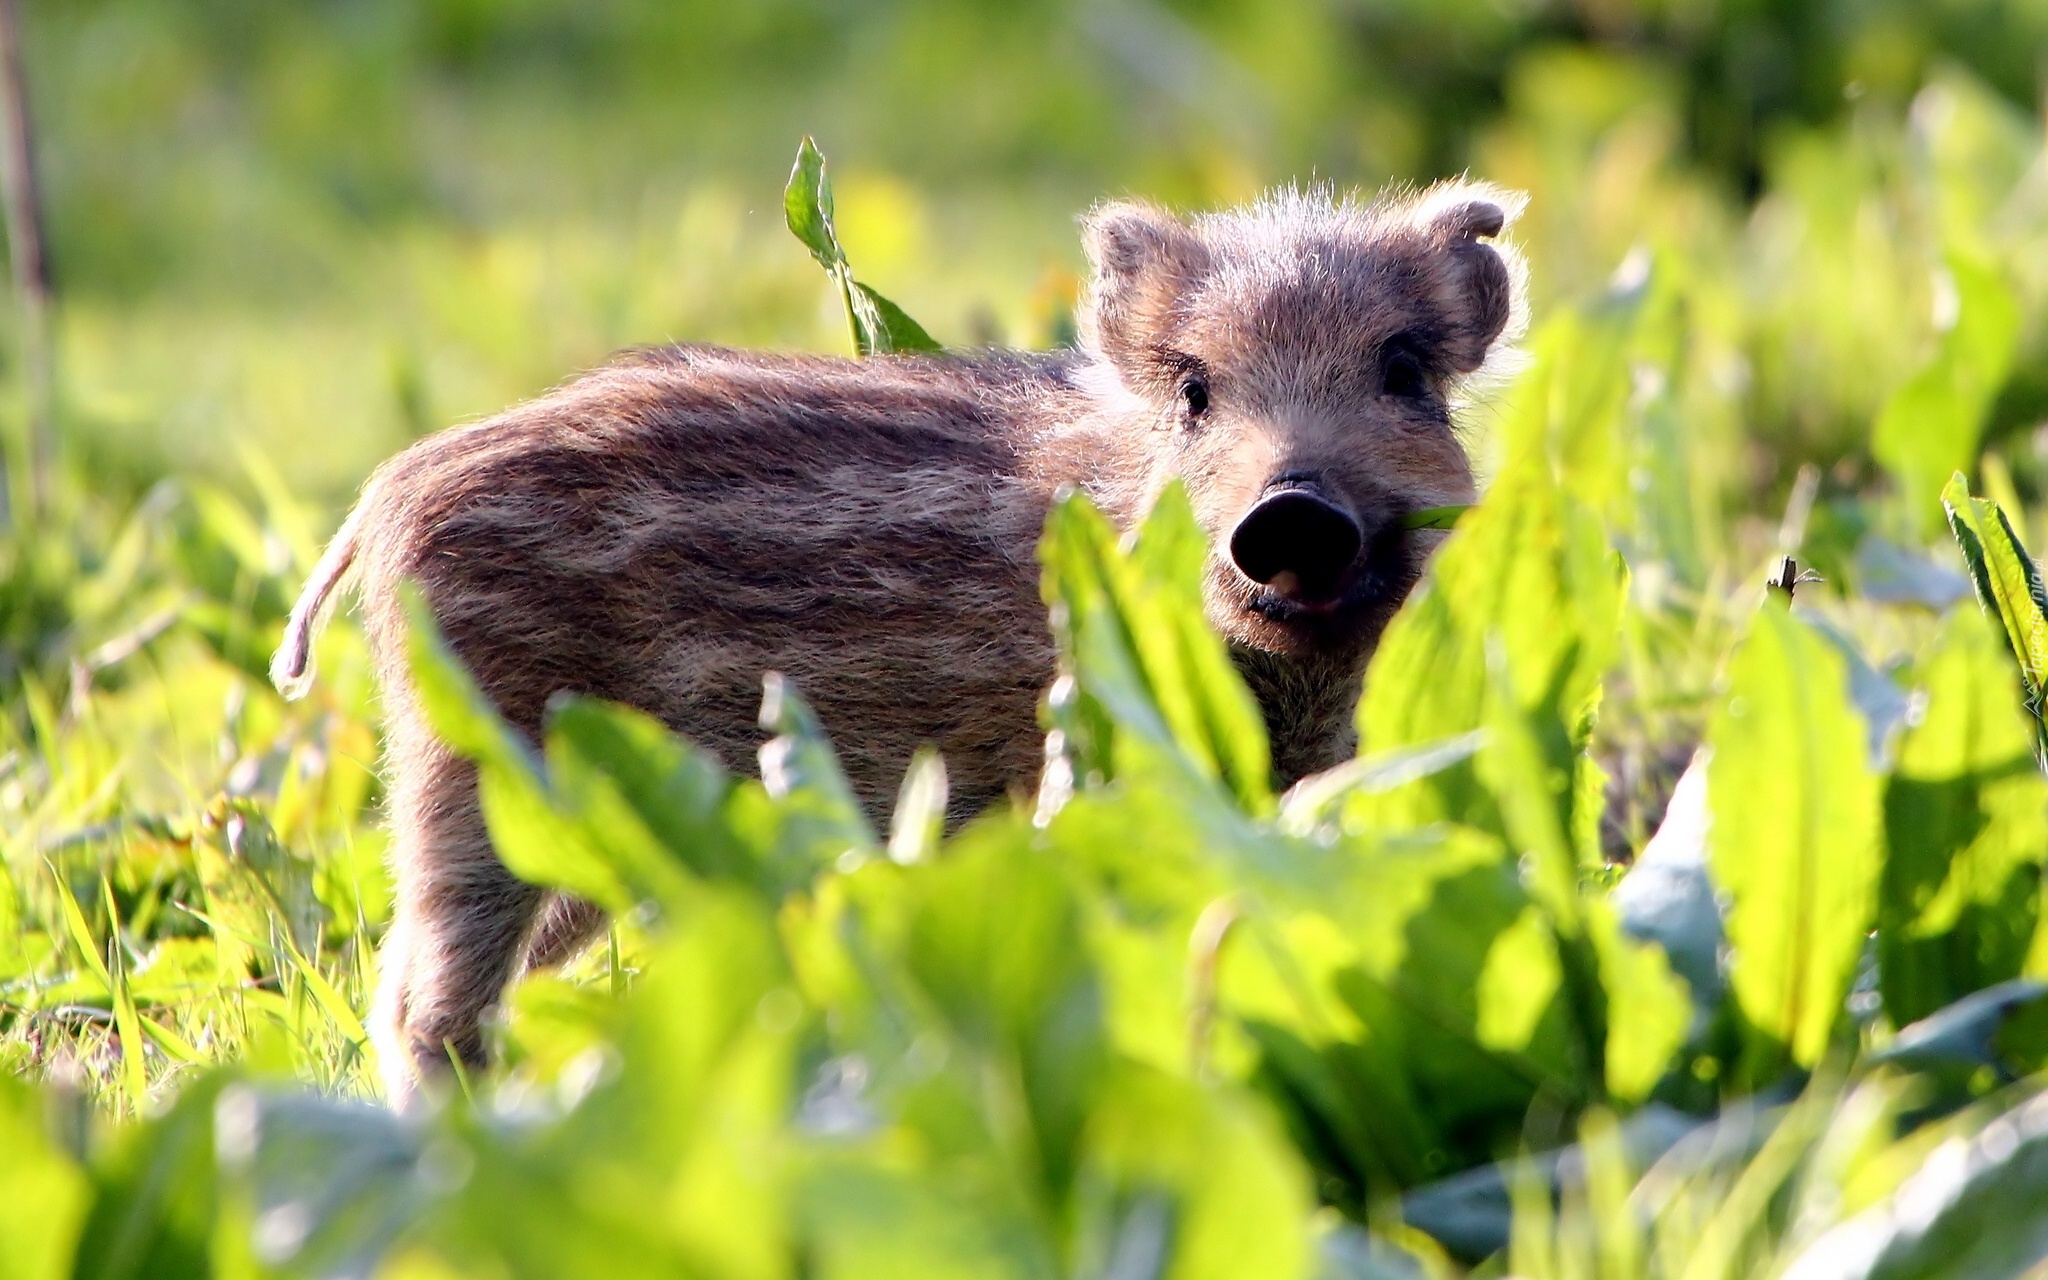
<point x="1194" y="392"/>
<point x="1401" y="371"/>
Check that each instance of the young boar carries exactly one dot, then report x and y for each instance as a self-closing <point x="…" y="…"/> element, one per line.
<point x="666" y="530"/>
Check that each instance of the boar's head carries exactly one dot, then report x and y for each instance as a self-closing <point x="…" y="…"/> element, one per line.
<point x="1295" y="363"/>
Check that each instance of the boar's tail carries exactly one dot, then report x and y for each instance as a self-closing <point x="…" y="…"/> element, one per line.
<point x="291" y="668"/>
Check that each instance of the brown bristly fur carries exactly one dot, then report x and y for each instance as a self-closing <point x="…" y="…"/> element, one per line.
<point x="670" y="527"/>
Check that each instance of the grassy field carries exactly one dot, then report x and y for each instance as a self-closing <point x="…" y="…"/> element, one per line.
<point x="1445" y="1009"/>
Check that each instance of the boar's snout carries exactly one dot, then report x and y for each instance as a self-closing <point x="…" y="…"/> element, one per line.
<point x="1297" y="541"/>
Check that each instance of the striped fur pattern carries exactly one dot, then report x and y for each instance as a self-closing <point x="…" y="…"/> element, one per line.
<point x="667" y="529"/>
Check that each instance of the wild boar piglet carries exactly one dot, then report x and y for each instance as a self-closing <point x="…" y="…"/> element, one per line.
<point x="665" y="530"/>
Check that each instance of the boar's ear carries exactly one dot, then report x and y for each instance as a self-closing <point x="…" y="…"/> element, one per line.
<point x="1476" y="282"/>
<point x="1145" y="259"/>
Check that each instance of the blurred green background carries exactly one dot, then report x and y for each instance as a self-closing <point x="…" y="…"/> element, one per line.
<point x="322" y="228"/>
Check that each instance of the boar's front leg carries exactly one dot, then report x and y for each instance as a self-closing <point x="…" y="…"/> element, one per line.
<point x="459" y="921"/>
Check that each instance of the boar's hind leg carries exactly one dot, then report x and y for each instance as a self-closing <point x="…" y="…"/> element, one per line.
<point x="566" y="924"/>
<point x="459" y="922"/>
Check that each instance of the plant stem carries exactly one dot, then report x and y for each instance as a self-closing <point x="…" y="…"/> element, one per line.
<point x="31" y="266"/>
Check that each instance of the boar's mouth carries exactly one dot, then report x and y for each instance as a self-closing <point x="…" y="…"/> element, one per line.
<point x="1382" y="581"/>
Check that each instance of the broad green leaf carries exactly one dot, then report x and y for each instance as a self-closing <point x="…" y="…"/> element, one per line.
<point x="1522" y="976"/>
<point x="618" y="811"/>
<point x="817" y="818"/>
<point x="887" y="327"/>
<point x="1197" y="684"/>
<point x="1972" y="1209"/>
<point x="155" y="1192"/>
<point x="1152" y="680"/>
<point x="1530" y="573"/>
<point x="1144" y="850"/>
<point x="542" y="846"/>
<point x="674" y="787"/>
<point x="1317" y="800"/>
<point x="1627" y="1013"/>
<point x="878" y="326"/>
<point x="1527" y="765"/>
<point x="655" y="805"/>
<point x="42" y="1192"/>
<point x="675" y="1163"/>
<point x="1434" y="1014"/>
<point x="1428" y="1002"/>
<point x="807" y="207"/>
<point x="1477" y="1214"/>
<point x="535" y="842"/>
<point x="995" y="940"/>
<point x="1976" y="1031"/>
<point x="1567" y="414"/>
<point x="867" y="1220"/>
<point x="870" y="1220"/>
<point x="1966" y="824"/>
<point x="1794" y="839"/>
<point x="1351" y="1113"/>
<point x="1649" y="1008"/>
<point x="345" y="1177"/>
<point x="1164" y="875"/>
<point x="1199" y="1175"/>
<point x="454" y="704"/>
<point x="1930" y="427"/>
<point x="1605" y="403"/>
<point x="2008" y="584"/>
<point x="701" y="1003"/>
